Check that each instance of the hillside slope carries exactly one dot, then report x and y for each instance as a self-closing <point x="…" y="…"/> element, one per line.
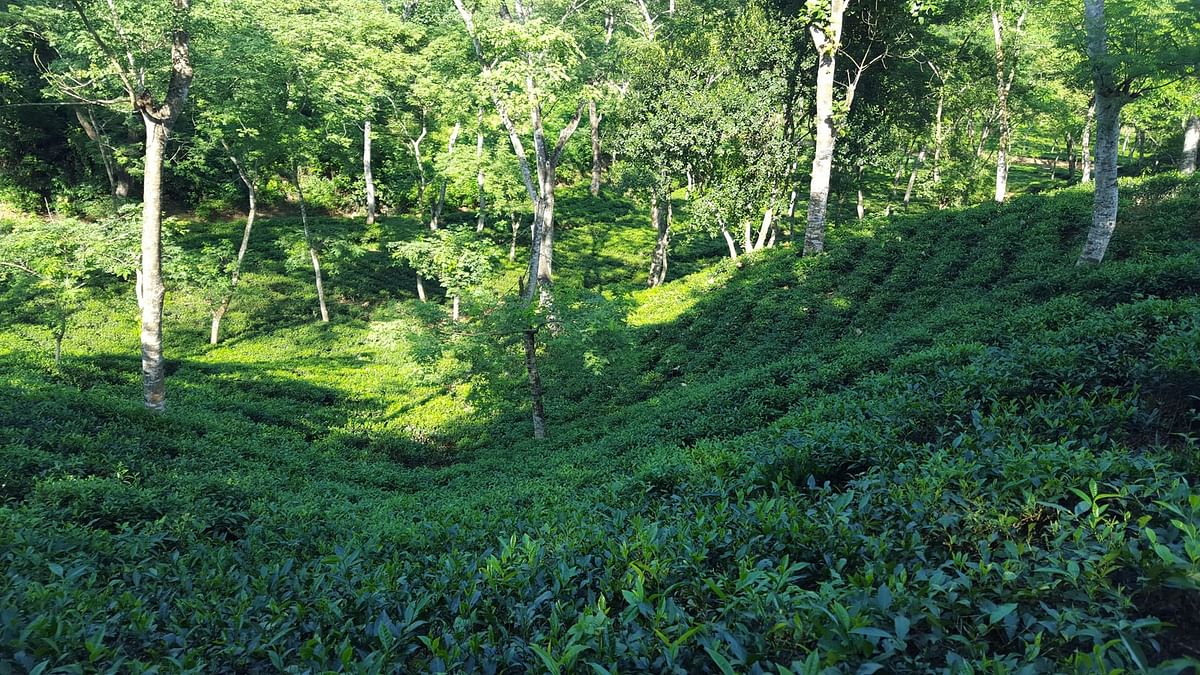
<point x="939" y="447"/>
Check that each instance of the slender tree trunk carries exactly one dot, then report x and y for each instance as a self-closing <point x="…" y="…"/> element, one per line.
<point x="861" y="204"/>
<point x="1191" y="140"/>
<point x="1071" y="161"/>
<point x="421" y="288"/>
<point x="1141" y="149"/>
<point x="1054" y="161"/>
<point x="896" y="178"/>
<point x="535" y="384"/>
<point x="60" y="334"/>
<point x="827" y="40"/>
<point x="440" y="206"/>
<point x="88" y="123"/>
<point x="1109" y="100"/>
<point x="368" y="174"/>
<point x="659" y="217"/>
<point x="312" y="251"/>
<point x="939" y="136"/>
<point x="729" y="241"/>
<point x="512" y="246"/>
<point x="1003" y="84"/>
<point x="912" y="178"/>
<point x="481" y="217"/>
<point x="454" y="309"/>
<point x="219" y="313"/>
<point x="594" y="118"/>
<point x="1086" y="142"/>
<point x="154" y="375"/>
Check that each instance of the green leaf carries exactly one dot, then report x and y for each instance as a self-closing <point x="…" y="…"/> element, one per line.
<point x="551" y="664"/>
<point x="721" y="661"/>
<point x="1002" y="611"/>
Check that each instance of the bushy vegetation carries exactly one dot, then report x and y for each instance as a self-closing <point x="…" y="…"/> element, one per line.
<point x="939" y="447"/>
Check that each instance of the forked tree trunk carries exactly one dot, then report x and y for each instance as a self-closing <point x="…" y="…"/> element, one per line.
<point x="1191" y="140"/>
<point x="594" y="118"/>
<point x="535" y="384"/>
<point x="729" y="241"/>
<point x="368" y="174"/>
<point x="312" y="251"/>
<point x="219" y="313"/>
<point x="827" y="40"/>
<point x="1086" y="142"/>
<point x="154" y="375"/>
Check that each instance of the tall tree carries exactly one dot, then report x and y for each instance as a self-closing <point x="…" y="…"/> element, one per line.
<point x="103" y="62"/>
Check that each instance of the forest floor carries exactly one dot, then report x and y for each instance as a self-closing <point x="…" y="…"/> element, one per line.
<point x="939" y="447"/>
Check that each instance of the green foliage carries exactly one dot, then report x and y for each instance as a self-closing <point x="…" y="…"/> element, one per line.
<point x="456" y="258"/>
<point x="938" y="447"/>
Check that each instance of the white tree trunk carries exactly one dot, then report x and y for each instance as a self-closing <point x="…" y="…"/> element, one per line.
<point x="219" y="313"/>
<point x="1086" y="143"/>
<point x="1191" y="140"/>
<point x="481" y="217"/>
<point x="1109" y="101"/>
<point x="594" y="119"/>
<point x="368" y="174"/>
<point x="154" y="375"/>
<point x="312" y="251"/>
<point x="912" y="177"/>
<point x="827" y="40"/>
<point x="660" y="219"/>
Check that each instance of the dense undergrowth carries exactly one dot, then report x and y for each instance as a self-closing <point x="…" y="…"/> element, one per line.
<point x="939" y="447"/>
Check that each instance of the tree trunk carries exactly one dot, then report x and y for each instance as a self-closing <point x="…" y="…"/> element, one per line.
<point x="827" y="40"/>
<point x="481" y="217"/>
<point x="1003" y="83"/>
<point x="441" y="200"/>
<point x="368" y="174"/>
<point x="1109" y="100"/>
<point x="939" y="135"/>
<point x="594" y="118"/>
<point x="1086" y="143"/>
<point x="421" y="288"/>
<point x="912" y="177"/>
<point x="515" y="222"/>
<point x="88" y="123"/>
<point x="154" y="374"/>
<point x="729" y="241"/>
<point x="219" y="314"/>
<point x="1054" y="161"/>
<point x="1191" y="140"/>
<point x="1071" y="162"/>
<point x="535" y="384"/>
<point x="454" y="309"/>
<point x="312" y="251"/>
<point x="1104" y="213"/>
<point x="662" y="225"/>
<point x="60" y="334"/>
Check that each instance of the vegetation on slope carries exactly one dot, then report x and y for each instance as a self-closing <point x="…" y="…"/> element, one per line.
<point x="939" y="447"/>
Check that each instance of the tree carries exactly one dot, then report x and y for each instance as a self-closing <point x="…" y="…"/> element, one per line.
<point x="100" y="57"/>
<point x="454" y="257"/>
<point x="534" y="60"/>
<point x="1130" y="51"/>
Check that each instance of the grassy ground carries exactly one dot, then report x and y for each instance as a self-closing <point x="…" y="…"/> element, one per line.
<point x="939" y="447"/>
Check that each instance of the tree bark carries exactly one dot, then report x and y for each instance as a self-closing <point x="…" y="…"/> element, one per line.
<point x="912" y="177"/>
<point x="219" y="313"/>
<point x="1110" y="98"/>
<point x="1071" y="161"/>
<point x="312" y="251"/>
<point x="421" y="288"/>
<point x="153" y="292"/>
<point x="481" y="217"/>
<point x="662" y="224"/>
<point x="441" y="200"/>
<point x="1086" y="143"/>
<point x="1004" y="79"/>
<point x="535" y="384"/>
<point x="594" y="118"/>
<point x="454" y="309"/>
<point x="827" y="40"/>
<point x="512" y="245"/>
<point x="368" y="174"/>
<point x="1191" y="140"/>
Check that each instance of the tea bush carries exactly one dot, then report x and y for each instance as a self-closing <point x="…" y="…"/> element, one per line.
<point x="940" y="447"/>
